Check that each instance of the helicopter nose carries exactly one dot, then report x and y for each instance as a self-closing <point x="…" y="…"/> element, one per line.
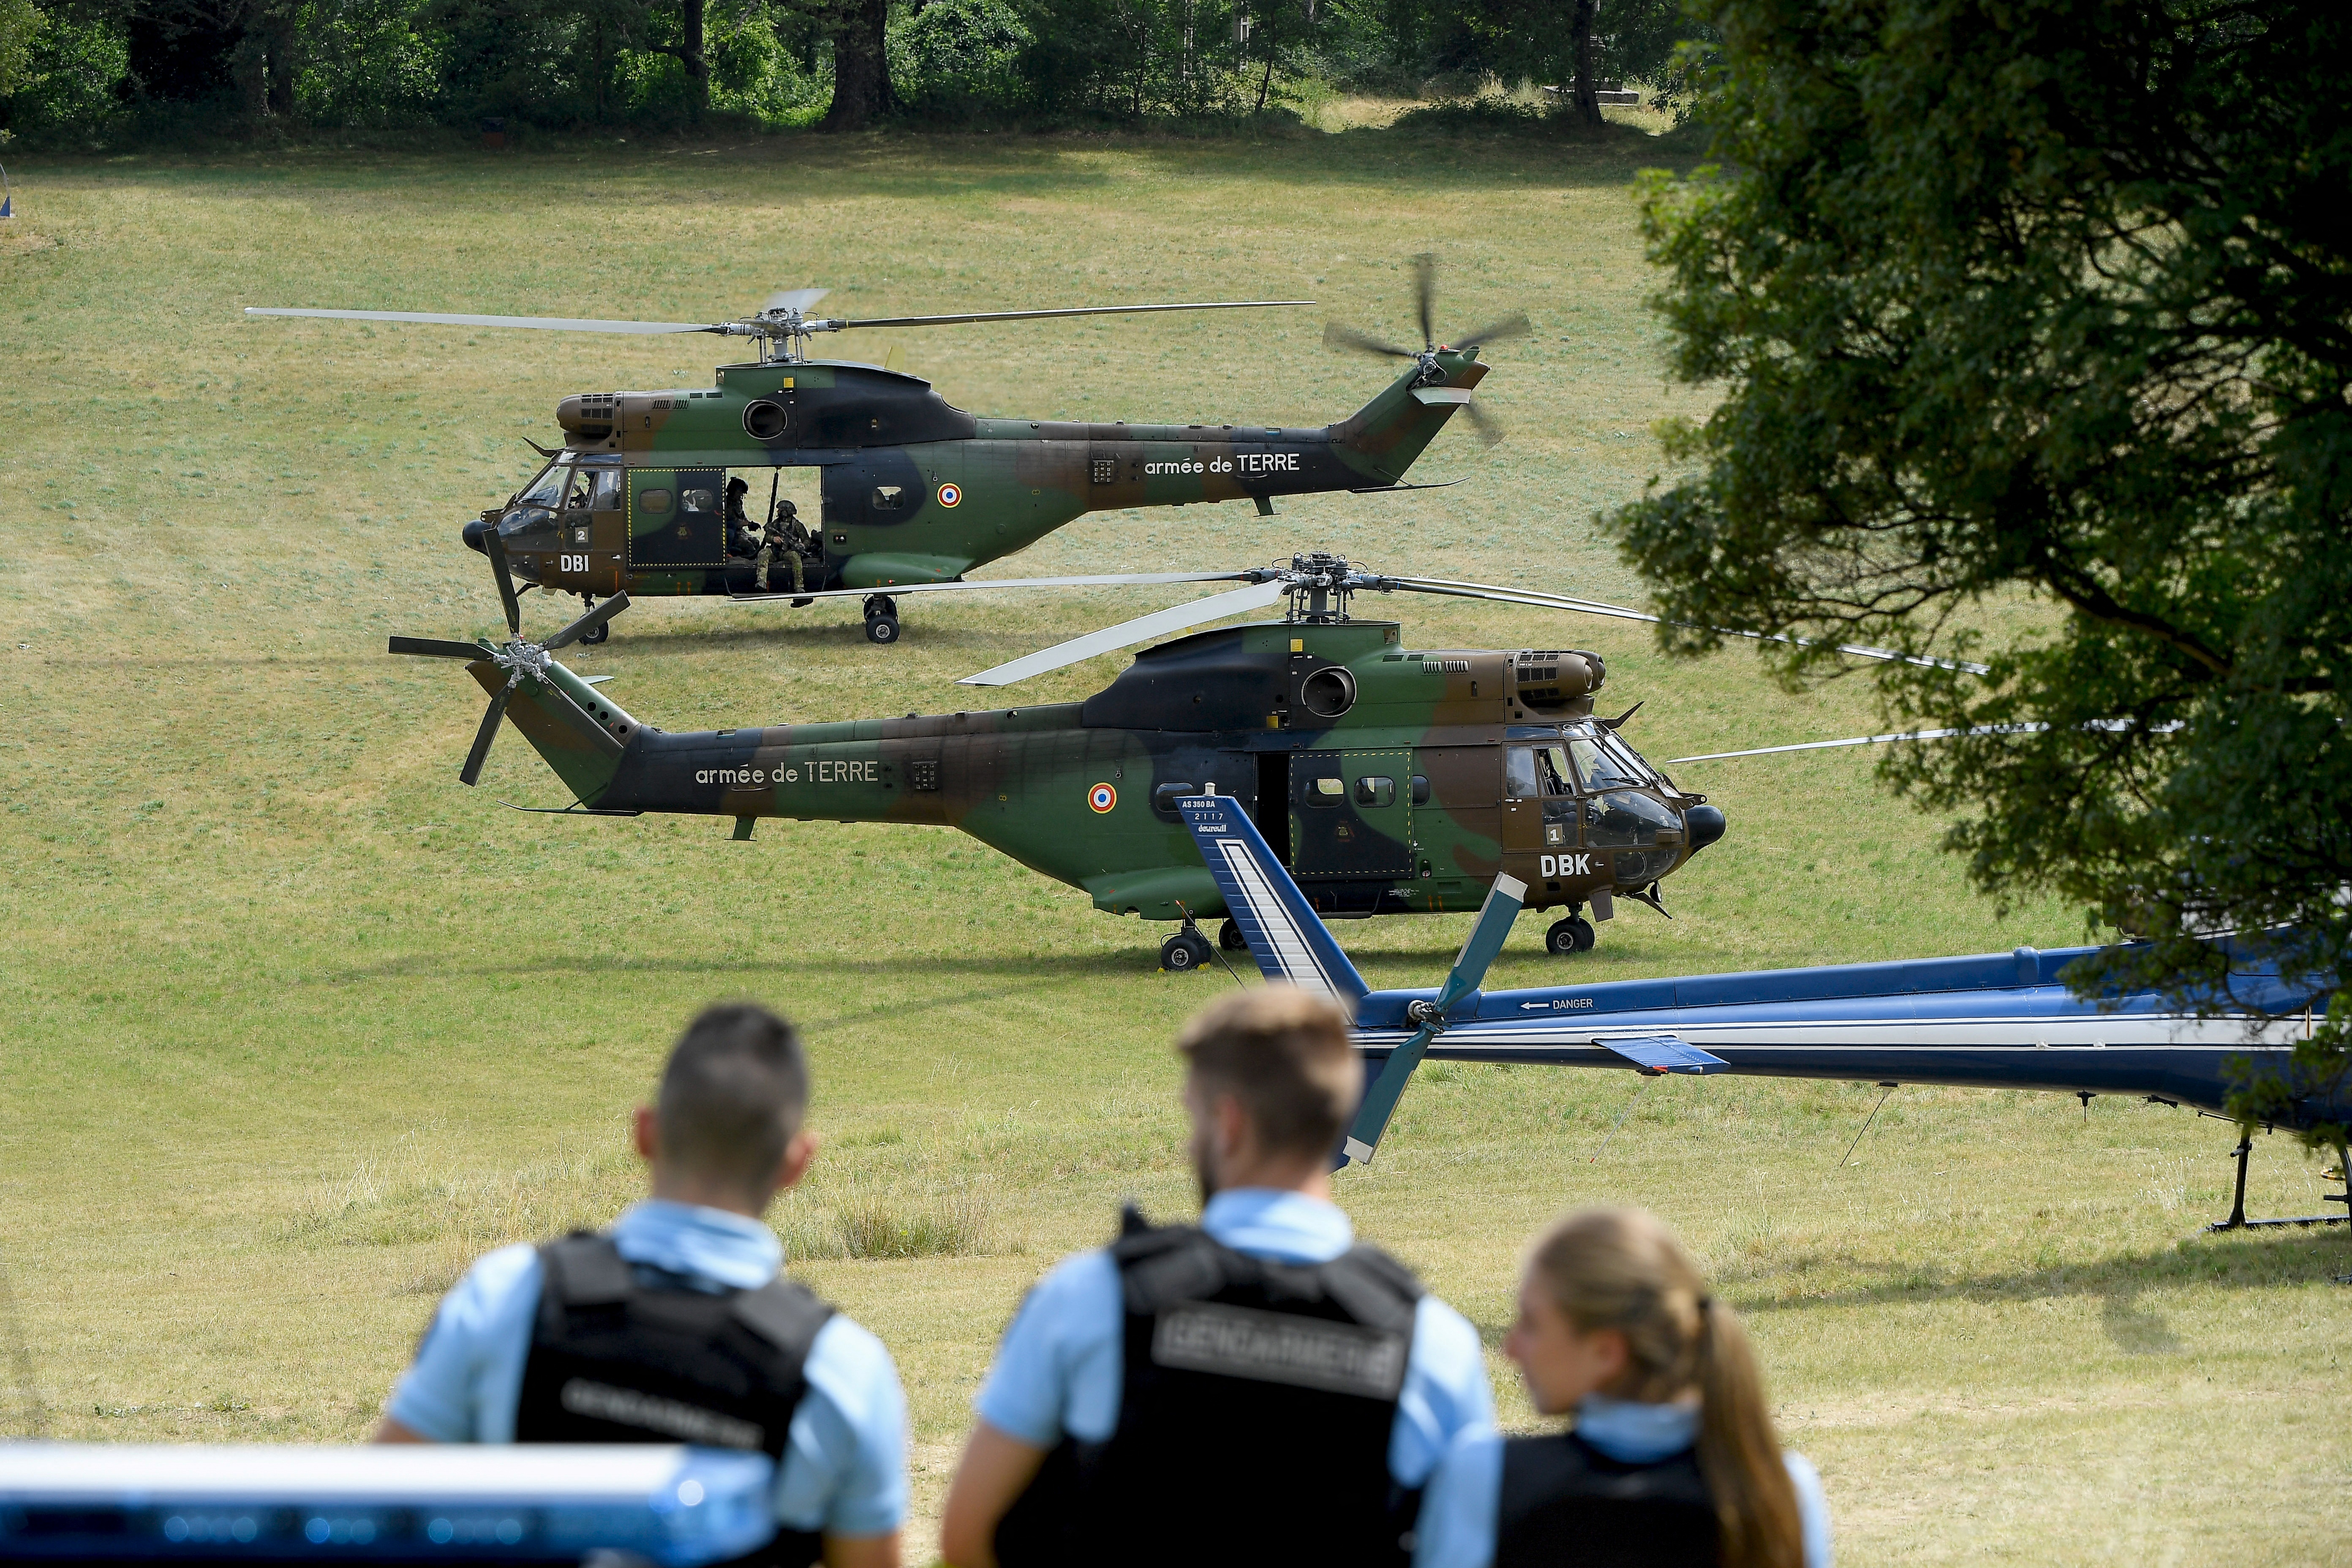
<point x="472" y="534"/>
<point x="1703" y="824"/>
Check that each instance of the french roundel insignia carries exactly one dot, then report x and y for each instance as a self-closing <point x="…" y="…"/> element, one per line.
<point x="1102" y="797"/>
<point x="951" y="494"/>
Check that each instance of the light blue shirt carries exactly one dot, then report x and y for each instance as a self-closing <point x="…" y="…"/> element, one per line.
<point x="845" y="1464"/>
<point x="1458" y="1511"/>
<point x="1059" y="1371"/>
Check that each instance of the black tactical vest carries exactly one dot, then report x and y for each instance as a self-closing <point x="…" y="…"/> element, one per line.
<point x="616" y="1359"/>
<point x="1254" y="1417"/>
<point x="1564" y="1501"/>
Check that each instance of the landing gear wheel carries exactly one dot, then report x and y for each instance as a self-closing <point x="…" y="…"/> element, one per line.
<point x="881" y="618"/>
<point x="1573" y="935"/>
<point x="1184" y="952"/>
<point x="598" y="635"/>
<point x="1230" y="938"/>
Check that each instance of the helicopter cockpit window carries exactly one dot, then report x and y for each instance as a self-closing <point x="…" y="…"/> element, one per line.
<point x="596" y="489"/>
<point x="547" y="491"/>
<point x="1326" y="794"/>
<point x="1530" y="772"/>
<point x="1602" y="767"/>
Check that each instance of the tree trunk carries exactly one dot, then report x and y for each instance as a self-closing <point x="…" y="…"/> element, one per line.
<point x="1580" y="26"/>
<point x="689" y="54"/>
<point x="861" y="71"/>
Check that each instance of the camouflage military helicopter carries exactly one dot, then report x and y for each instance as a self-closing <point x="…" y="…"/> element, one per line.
<point x="1390" y="780"/>
<point x="914" y="491"/>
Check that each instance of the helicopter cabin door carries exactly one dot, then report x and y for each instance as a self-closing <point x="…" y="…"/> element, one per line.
<point x="1352" y="815"/>
<point x="1539" y="816"/>
<point x="678" y="516"/>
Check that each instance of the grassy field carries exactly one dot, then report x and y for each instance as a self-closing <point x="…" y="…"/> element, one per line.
<point x="295" y="1025"/>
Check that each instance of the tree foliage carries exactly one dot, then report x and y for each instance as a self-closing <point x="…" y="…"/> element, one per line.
<point x="2046" y="304"/>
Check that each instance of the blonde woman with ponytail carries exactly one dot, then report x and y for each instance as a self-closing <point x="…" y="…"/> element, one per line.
<point x="1672" y="1458"/>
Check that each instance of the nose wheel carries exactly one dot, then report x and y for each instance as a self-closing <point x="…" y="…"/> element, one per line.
<point x="881" y="618"/>
<point x="1185" y="952"/>
<point x="1573" y="935"/>
<point x="600" y="633"/>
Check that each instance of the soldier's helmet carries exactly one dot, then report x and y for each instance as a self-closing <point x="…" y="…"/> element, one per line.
<point x="737" y="485"/>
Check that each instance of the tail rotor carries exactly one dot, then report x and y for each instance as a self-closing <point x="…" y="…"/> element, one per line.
<point x="521" y="661"/>
<point x="1432" y="371"/>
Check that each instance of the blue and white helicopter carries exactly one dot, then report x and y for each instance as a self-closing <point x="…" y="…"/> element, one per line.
<point x="1991" y="1021"/>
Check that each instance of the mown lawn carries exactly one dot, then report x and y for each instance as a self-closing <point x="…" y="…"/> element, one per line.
<point x="295" y="1024"/>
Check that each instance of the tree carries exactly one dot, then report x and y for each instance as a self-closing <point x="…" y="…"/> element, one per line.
<point x="1579" y="43"/>
<point x="861" y="61"/>
<point x="20" y="25"/>
<point x="2033" y="324"/>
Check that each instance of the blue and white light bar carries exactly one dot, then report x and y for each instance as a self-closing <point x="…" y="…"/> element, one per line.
<point x="677" y="1506"/>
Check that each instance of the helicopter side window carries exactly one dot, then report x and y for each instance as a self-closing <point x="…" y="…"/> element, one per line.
<point x="1326" y="794"/>
<point x="1520" y="772"/>
<point x="1421" y="789"/>
<point x="1372" y="790"/>
<point x="1552" y="765"/>
<point x="1601" y="769"/>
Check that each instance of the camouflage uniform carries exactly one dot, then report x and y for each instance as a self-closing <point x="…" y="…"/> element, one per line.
<point x="786" y="541"/>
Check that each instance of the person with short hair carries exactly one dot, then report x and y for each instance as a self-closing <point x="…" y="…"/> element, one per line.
<point x="1256" y="1389"/>
<point x="1672" y="1458"/>
<point x="676" y="1325"/>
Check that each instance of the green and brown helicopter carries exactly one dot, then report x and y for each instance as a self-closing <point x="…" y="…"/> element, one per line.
<point x="914" y="491"/>
<point x="1388" y="780"/>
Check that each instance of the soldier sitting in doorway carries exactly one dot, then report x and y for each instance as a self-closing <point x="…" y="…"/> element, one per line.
<point x="743" y="535"/>
<point x="786" y="542"/>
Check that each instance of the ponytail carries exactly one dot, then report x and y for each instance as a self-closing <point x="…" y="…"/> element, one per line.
<point x="1621" y="1268"/>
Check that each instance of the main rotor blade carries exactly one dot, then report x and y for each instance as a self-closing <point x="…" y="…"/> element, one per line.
<point x="1619" y="612"/>
<point x="1336" y="336"/>
<point x="1867" y="740"/>
<point x="587" y="623"/>
<point x="1241" y="601"/>
<point x="1124" y="579"/>
<point x="540" y="323"/>
<point x="495" y="549"/>
<point x="1515" y="325"/>
<point x="1496" y="917"/>
<point x="1490" y="430"/>
<point x="433" y="647"/>
<point x="1425" y="296"/>
<point x="1043" y="315"/>
<point x="794" y="299"/>
<point x="472" y="771"/>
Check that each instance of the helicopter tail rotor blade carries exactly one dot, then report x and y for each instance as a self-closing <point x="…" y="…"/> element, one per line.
<point x="587" y="623"/>
<point x="1425" y="296"/>
<point x="495" y="549"/>
<point x="1504" y="902"/>
<point x="1216" y="606"/>
<point x="1490" y="431"/>
<point x="1515" y="325"/>
<point x="541" y="323"/>
<point x="433" y="647"/>
<point x="1336" y="336"/>
<point x="472" y="772"/>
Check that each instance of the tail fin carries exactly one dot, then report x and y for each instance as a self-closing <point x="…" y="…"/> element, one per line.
<point x="574" y="728"/>
<point x="1387" y="434"/>
<point x="1286" y="936"/>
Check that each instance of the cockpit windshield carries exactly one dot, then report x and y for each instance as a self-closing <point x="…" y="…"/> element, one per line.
<point x="1603" y="764"/>
<point x="547" y="490"/>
